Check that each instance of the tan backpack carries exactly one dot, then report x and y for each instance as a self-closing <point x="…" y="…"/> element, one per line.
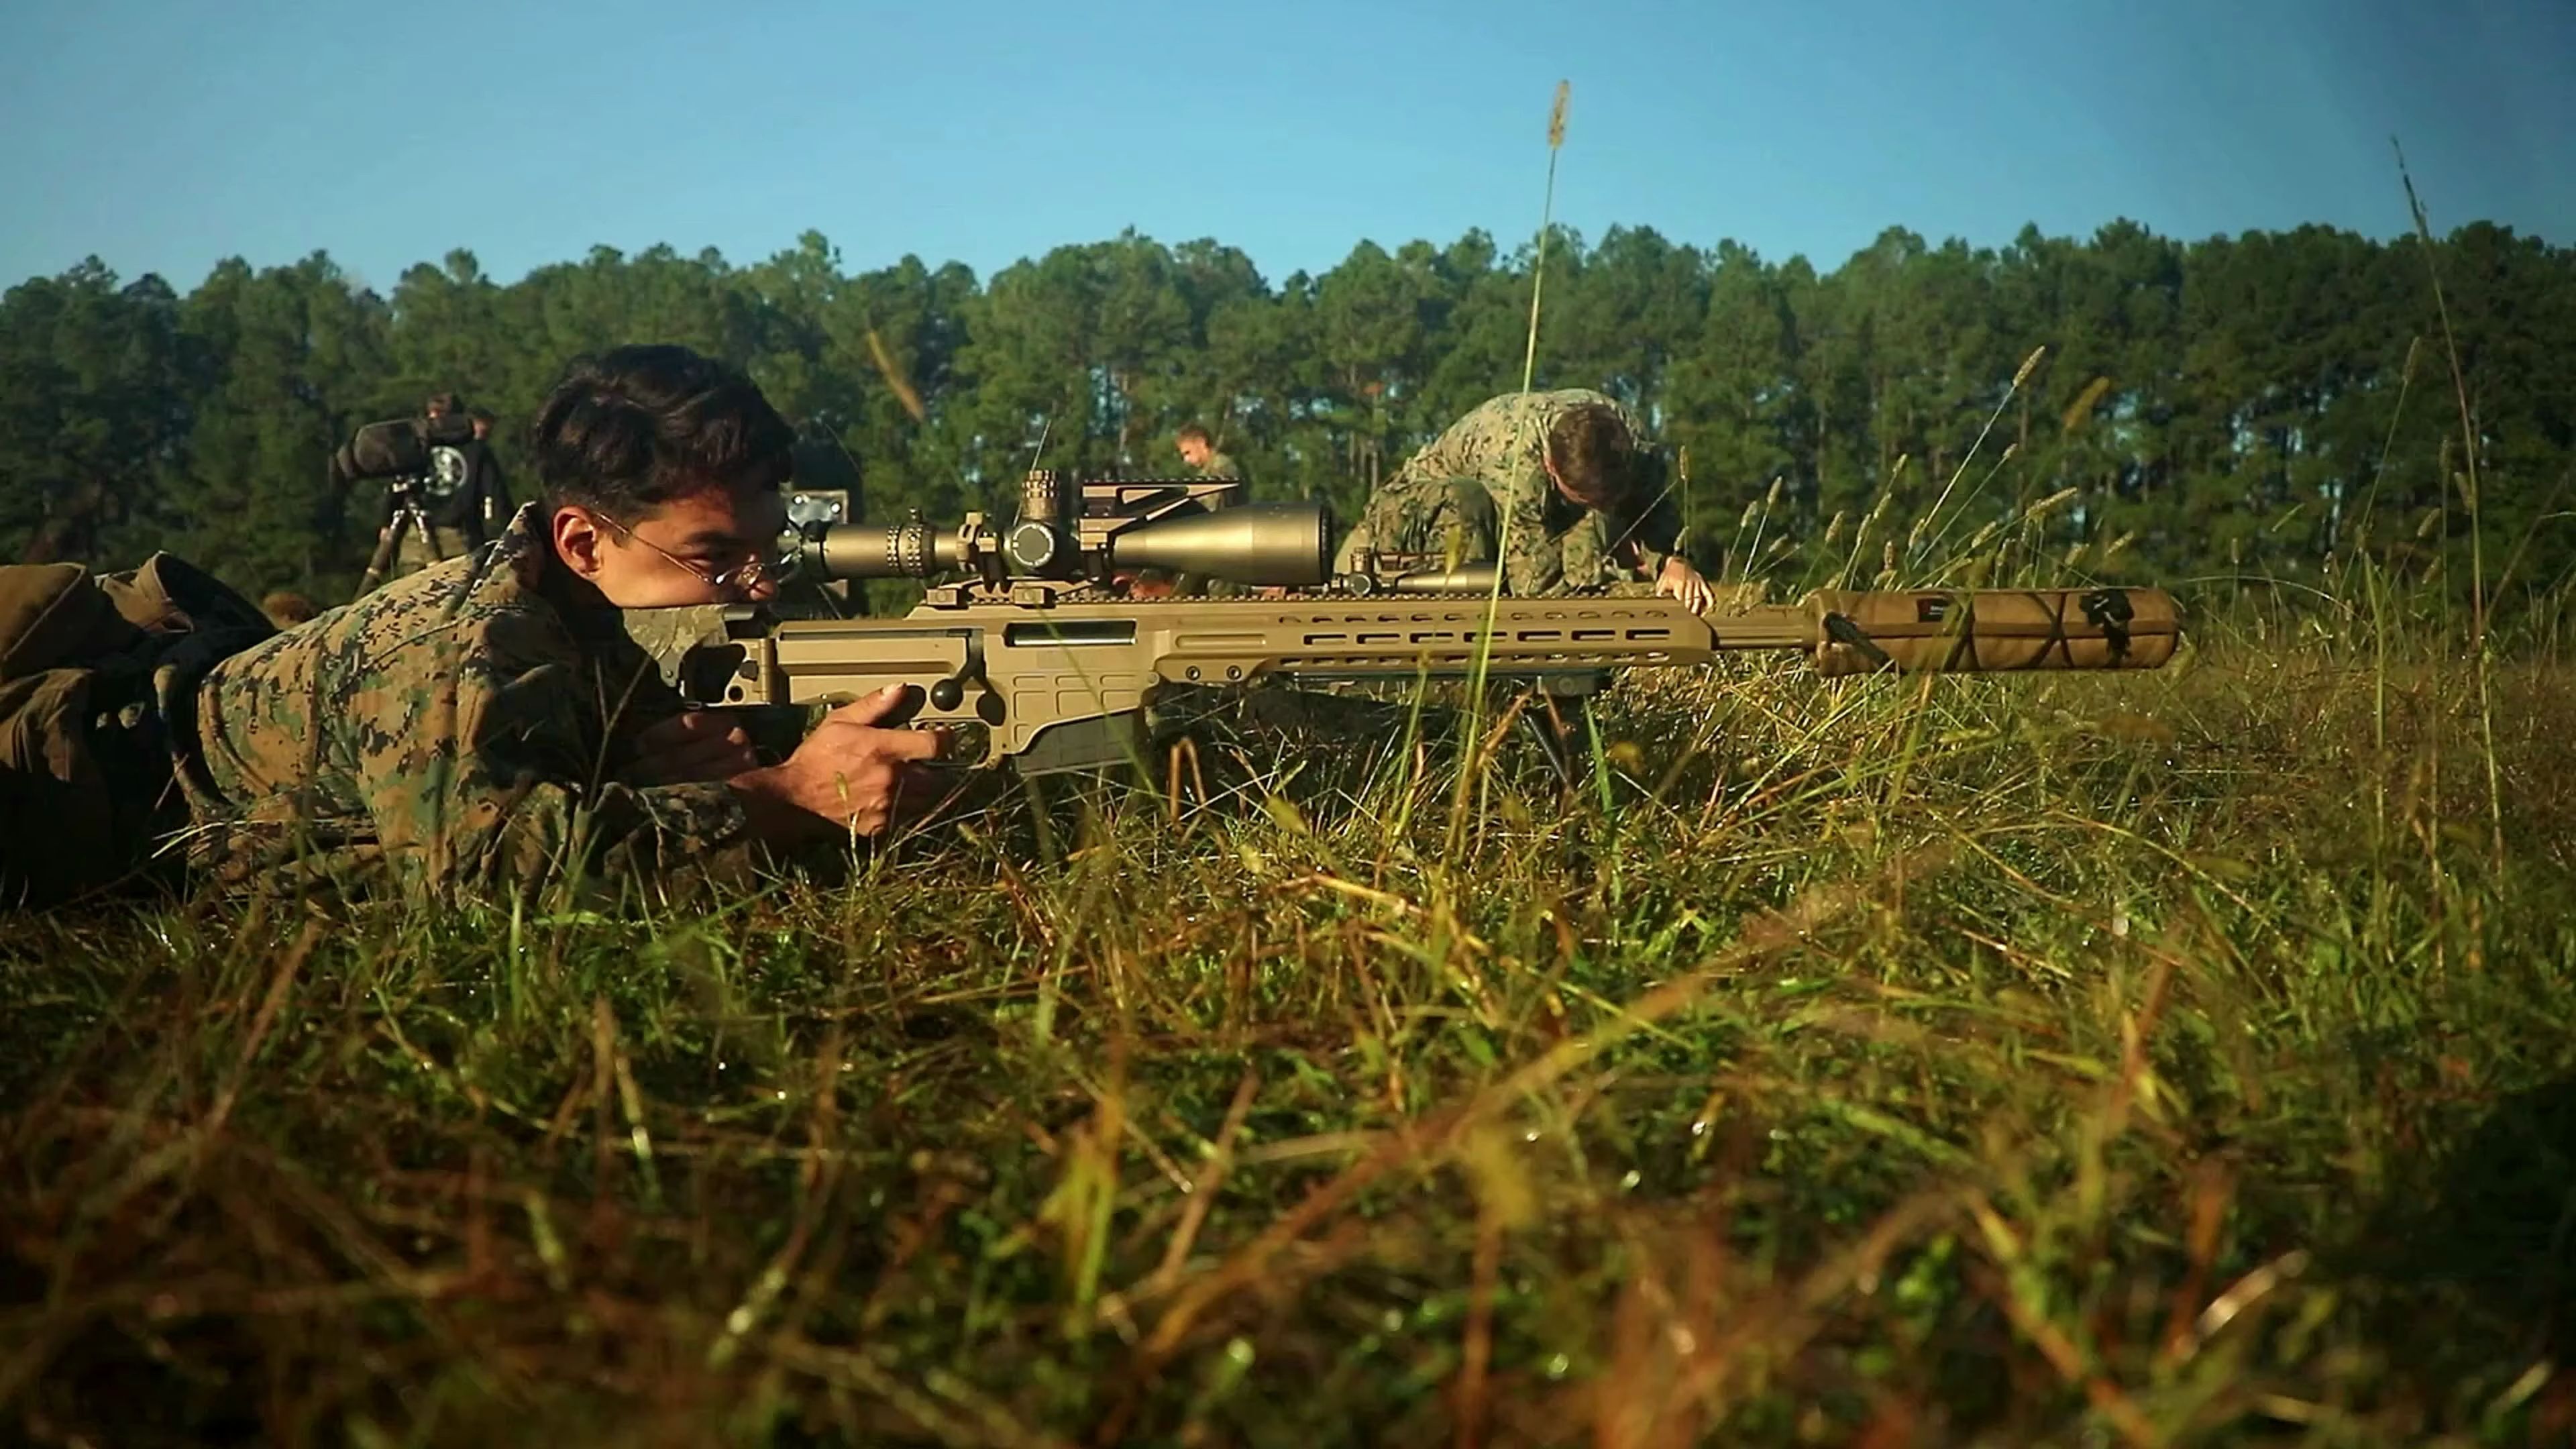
<point x="85" y="753"/>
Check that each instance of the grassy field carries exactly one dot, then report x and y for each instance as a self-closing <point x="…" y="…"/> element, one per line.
<point x="2174" y="1058"/>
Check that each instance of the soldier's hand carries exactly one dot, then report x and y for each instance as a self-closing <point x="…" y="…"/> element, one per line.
<point x="848" y="775"/>
<point x="1680" y="581"/>
<point x="699" y="745"/>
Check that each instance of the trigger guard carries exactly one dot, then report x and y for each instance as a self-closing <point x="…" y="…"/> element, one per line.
<point x="961" y="742"/>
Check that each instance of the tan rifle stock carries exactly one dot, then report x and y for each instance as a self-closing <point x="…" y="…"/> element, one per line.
<point x="1065" y="683"/>
<point x="1029" y="652"/>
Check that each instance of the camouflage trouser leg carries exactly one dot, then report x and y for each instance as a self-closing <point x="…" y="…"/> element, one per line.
<point x="414" y="555"/>
<point x="1452" y="518"/>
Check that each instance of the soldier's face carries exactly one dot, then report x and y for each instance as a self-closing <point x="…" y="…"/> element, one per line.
<point x="714" y="546"/>
<point x="1193" y="452"/>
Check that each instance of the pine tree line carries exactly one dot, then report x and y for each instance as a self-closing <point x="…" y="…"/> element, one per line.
<point x="2254" y="406"/>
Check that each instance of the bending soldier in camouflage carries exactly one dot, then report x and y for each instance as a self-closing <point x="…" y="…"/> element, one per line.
<point x="485" y="725"/>
<point x="1550" y="484"/>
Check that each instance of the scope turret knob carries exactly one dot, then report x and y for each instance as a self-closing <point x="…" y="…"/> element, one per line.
<point x="1031" y="545"/>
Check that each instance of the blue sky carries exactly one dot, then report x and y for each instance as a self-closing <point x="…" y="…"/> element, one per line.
<point x="163" y="136"/>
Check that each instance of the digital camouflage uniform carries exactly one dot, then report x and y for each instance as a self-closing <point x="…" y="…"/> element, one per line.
<point x="461" y="730"/>
<point x="1218" y="465"/>
<point x="1456" y="496"/>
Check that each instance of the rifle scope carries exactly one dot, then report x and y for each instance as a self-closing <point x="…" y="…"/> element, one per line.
<point x="1288" y="545"/>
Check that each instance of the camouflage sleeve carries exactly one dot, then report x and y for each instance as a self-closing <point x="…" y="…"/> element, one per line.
<point x="1533" y="563"/>
<point x="492" y="777"/>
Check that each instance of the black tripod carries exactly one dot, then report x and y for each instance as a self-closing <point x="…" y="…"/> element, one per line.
<point x="407" y="513"/>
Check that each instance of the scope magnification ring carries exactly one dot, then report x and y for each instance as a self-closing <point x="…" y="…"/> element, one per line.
<point x="907" y="548"/>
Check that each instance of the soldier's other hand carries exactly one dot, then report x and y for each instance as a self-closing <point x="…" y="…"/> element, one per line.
<point x="1679" y="580"/>
<point x="848" y="775"/>
<point x="698" y="745"/>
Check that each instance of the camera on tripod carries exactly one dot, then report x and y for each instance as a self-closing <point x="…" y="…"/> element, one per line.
<point x="412" y="455"/>
<point x="424" y="461"/>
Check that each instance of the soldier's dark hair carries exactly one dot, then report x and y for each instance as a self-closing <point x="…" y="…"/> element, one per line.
<point x="1191" y="433"/>
<point x="628" y="430"/>
<point x="438" y="404"/>
<point x="1594" y="456"/>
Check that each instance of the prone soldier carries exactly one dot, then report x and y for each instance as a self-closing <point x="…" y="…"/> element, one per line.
<point x="486" y="724"/>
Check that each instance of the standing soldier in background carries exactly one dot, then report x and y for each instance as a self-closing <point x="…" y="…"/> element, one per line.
<point x="486" y="483"/>
<point x="1201" y="454"/>
<point x="1559" y="488"/>
<point x="464" y="500"/>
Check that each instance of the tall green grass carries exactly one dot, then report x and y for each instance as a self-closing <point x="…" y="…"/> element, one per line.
<point x="2167" y="1058"/>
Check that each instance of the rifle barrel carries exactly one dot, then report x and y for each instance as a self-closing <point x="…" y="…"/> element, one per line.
<point x="1992" y="630"/>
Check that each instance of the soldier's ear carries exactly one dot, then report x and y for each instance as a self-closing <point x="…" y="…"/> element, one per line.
<point x="578" y="539"/>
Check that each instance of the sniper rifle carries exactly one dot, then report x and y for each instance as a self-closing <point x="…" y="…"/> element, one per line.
<point x="1029" y="653"/>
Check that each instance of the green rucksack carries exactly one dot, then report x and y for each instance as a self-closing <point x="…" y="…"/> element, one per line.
<point x="85" y="753"/>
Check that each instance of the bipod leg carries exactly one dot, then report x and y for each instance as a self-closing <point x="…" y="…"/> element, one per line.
<point x="1555" y="728"/>
<point x="428" y="536"/>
